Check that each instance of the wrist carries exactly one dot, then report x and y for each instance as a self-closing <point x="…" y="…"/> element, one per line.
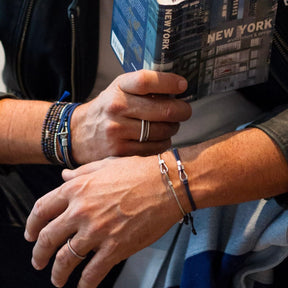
<point x="187" y="217"/>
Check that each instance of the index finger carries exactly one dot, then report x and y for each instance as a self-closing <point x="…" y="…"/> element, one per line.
<point x="144" y="82"/>
<point x="46" y="208"/>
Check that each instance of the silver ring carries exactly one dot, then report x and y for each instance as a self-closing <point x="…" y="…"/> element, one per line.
<point x="73" y="251"/>
<point x="145" y="130"/>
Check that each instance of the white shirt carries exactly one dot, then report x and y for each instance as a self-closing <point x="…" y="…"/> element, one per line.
<point x="108" y="66"/>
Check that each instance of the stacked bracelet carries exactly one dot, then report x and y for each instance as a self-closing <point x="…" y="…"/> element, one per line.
<point x="49" y="132"/>
<point x="57" y="125"/>
<point x="184" y="179"/>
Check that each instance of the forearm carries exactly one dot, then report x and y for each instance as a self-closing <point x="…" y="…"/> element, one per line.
<point x="133" y="201"/>
<point x="20" y="131"/>
<point x="234" y="168"/>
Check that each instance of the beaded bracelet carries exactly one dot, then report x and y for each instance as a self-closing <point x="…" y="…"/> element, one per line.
<point x="49" y="132"/>
<point x="57" y="125"/>
<point x="184" y="179"/>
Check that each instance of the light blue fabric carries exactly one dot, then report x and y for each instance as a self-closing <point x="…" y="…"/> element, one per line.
<point x="142" y="269"/>
<point x="245" y="242"/>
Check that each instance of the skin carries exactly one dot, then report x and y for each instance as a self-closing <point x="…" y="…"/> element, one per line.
<point x="108" y="125"/>
<point x="116" y="207"/>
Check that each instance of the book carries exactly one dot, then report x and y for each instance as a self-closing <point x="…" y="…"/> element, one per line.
<point x="216" y="45"/>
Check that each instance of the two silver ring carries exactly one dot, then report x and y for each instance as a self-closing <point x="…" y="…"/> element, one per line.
<point x="145" y="130"/>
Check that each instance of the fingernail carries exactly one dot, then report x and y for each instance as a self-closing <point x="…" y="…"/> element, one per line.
<point x="182" y="85"/>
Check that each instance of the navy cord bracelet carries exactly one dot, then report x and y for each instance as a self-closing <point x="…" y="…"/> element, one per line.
<point x="64" y="132"/>
<point x="64" y="135"/>
<point x="184" y="179"/>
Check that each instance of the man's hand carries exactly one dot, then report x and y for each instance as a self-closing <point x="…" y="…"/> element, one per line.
<point x="110" y="125"/>
<point x="115" y="211"/>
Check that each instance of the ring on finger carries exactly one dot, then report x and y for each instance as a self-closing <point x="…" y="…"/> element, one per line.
<point x="73" y="251"/>
<point x="145" y="131"/>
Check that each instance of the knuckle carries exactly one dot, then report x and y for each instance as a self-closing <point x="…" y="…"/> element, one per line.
<point x="113" y="248"/>
<point x="142" y="81"/>
<point x="62" y="259"/>
<point x="117" y="105"/>
<point x="82" y="212"/>
<point x="168" y="111"/>
<point x="79" y="213"/>
<point x="44" y="239"/>
<point x="38" y="210"/>
<point x="112" y="129"/>
<point x="88" y="275"/>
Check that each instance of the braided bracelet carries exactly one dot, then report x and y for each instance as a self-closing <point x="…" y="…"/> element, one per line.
<point x="49" y="131"/>
<point x="184" y="179"/>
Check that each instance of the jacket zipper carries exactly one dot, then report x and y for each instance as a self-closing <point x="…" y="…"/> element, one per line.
<point x="73" y="12"/>
<point x="281" y="45"/>
<point x="21" y="46"/>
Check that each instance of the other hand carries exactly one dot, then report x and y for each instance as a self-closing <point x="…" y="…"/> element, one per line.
<point x="110" y="125"/>
<point x="115" y="211"/>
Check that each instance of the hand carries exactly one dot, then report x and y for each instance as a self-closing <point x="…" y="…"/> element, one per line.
<point x="110" y="125"/>
<point x="115" y="211"/>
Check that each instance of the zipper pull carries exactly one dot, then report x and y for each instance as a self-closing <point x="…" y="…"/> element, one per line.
<point x="72" y="8"/>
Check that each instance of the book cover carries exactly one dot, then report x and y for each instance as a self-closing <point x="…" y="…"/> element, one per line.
<point x="217" y="45"/>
